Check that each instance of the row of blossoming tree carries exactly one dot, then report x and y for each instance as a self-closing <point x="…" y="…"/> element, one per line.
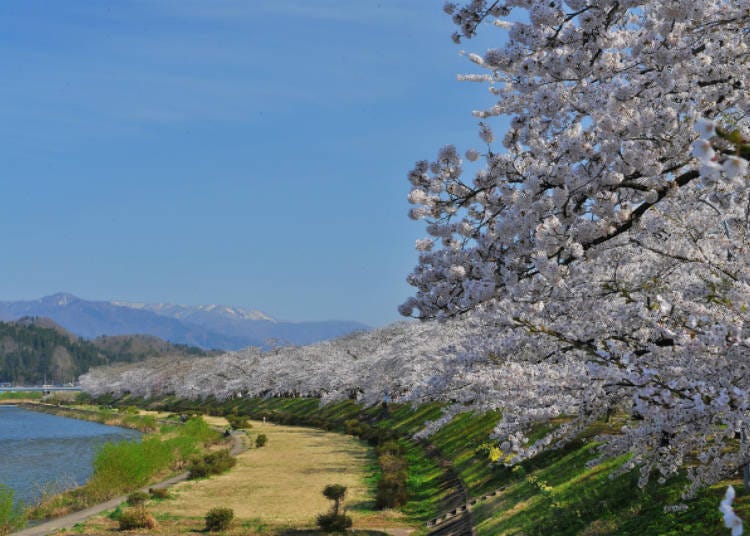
<point x="594" y="259"/>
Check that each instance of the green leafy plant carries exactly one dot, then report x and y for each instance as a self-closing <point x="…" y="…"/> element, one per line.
<point x="211" y="464"/>
<point x="11" y="513"/>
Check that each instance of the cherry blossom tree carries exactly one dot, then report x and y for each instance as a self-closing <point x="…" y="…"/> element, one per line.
<point x="398" y="361"/>
<point x="605" y="234"/>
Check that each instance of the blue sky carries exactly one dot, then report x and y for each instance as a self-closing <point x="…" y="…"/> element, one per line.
<point x="249" y="153"/>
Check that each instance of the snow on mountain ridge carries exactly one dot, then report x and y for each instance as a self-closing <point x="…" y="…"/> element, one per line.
<point x="185" y="311"/>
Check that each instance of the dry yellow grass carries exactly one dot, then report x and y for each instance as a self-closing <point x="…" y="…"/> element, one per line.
<point x="220" y="422"/>
<point x="281" y="483"/>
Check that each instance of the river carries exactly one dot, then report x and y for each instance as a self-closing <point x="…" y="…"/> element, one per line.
<point x="45" y="453"/>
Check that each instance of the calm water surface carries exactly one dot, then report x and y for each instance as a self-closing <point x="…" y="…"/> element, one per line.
<point x="45" y="452"/>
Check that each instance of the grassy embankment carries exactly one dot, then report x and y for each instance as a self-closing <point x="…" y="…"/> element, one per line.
<point x="11" y="397"/>
<point x="555" y="489"/>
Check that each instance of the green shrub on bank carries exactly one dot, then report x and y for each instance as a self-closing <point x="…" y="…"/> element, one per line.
<point x="198" y="429"/>
<point x="238" y="421"/>
<point x="11" y="513"/>
<point x="218" y="519"/>
<point x="211" y="464"/>
<point x="142" y="423"/>
<point x="122" y="467"/>
<point x="261" y="440"/>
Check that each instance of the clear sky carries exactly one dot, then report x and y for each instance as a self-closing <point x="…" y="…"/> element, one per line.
<point x="250" y="153"/>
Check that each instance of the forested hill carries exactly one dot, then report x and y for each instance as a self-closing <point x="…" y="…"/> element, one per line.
<point x="35" y="350"/>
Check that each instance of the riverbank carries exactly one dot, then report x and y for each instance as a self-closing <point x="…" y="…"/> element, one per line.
<point x="275" y="489"/>
<point x="124" y="467"/>
<point x="76" y="518"/>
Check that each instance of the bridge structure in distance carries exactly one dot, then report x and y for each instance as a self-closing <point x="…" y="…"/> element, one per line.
<point x="42" y="388"/>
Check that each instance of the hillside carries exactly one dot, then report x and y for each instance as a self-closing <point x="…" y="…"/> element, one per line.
<point x="37" y="350"/>
<point x="205" y="326"/>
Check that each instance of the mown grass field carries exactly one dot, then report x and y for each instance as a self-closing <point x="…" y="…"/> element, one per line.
<point x="275" y="489"/>
<point x="280" y="484"/>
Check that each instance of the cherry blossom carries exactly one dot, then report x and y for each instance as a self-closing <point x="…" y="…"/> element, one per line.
<point x="605" y="233"/>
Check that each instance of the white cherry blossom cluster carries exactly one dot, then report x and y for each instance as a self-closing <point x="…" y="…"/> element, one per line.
<point x="605" y="234"/>
<point x="731" y="521"/>
<point x="731" y="161"/>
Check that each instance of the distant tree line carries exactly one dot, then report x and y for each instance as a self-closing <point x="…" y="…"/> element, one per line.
<point x="31" y="354"/>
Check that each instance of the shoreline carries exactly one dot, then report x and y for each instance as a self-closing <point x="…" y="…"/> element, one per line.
<point x="52" y="524"/>
<point x="69" y="520"/>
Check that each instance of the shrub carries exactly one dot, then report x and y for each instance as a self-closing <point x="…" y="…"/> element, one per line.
<point x="335" y="520"/>
<point x="219" y="519"/>
<point x="199" y="430"/>
<point x="142" y="423"/>
<point x="211" y="464"/>
<point x="391" y="492"/>
<point x="353" y="427"/>
<point x="159" y="493"/>
<point x="127" y="465"/>
<point x="336" y="493"/>
<point x="332" y="522"/>
<point x="238" y="421"/>
<point x="11" y="514"/>
<point x="137" y="498"/>
<point x="261" y="440"/>
<point x="136" y="518"/>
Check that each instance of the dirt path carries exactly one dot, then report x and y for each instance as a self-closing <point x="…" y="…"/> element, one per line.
<point x="68" y="521"/>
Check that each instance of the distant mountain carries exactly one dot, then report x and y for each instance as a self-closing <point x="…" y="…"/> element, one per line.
<point x="205" y="326"/>
<point x="34" y="350"/>
<point x="183" y="312"/>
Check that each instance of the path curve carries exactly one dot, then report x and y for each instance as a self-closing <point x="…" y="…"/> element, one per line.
<point x="68" y="521"/>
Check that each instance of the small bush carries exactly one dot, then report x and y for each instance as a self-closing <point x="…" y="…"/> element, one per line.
<point x="136" y="518"/>
<point x="124" y="466"/>
<point x="391" y="493"/>
<point x="261" y="440"/>
<point x="211" y="464"/>
<point x="238" y="421"/>
<point x="332" y="522"/>
<point x="11" y="514"/>
<point x="137" y="498"/>
<point x="159" y="493"/>
<point x="198" y="429"/>
<point x="219" y="519"/>
<point x="353" y="427"/>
